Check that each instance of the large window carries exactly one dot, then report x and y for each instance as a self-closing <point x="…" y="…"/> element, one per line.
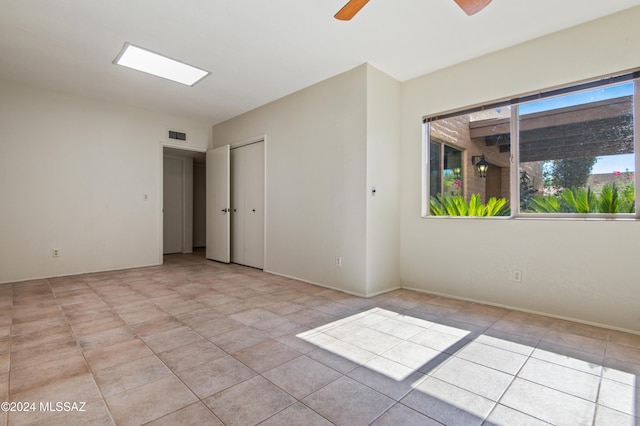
<point x="566" y="153"/>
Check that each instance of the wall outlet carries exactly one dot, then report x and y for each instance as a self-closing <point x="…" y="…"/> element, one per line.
<point x="516" y="276"/>
<point x="338" y="261"/>
<point x="55" y="253"/>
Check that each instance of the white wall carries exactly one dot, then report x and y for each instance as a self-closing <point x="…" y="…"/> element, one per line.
<point x="73" y="174"/>
<point x="383" y="156"/>
<point x="315" y="179"/>
<point x="585" y="270"/>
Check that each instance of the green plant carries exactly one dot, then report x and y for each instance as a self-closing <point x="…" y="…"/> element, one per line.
<point x="545" y="204"/>
<point x="579" y="200"/>
<point x="628" y="199"/>
<point x="569" y="172"/>
<point x="584" y="201"/>
<point x="455" y="205"/>
<point x="609" y="198"/>
<point x="526" y="192"/>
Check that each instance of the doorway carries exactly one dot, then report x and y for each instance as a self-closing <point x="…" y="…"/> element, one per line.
<point x="183" y="204"/>
<point x="493" y="182"/>
<point x="173" y="205"/>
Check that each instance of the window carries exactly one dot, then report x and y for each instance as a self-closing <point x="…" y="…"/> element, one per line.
<point x="577" y="153"/>
<point x="455" y="187"/>
<point x="566" y="153"/>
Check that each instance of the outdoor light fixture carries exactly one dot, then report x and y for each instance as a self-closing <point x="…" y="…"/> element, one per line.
<point x="481" y="165"/>
<point x="525" y="178"/>
<point x="144" y="60"/>
<point x="457" y="173"/>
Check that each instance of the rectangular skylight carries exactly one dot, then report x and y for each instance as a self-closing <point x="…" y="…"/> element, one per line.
<point x="144" y="60"/>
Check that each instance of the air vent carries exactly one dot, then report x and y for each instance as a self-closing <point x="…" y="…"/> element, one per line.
<point x="179" y="136"/>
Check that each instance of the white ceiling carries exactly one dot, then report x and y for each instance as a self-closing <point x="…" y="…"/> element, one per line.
<point x="257" y="50"/>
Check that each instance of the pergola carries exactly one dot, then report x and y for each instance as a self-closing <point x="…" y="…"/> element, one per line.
<point x="587" y="130"/>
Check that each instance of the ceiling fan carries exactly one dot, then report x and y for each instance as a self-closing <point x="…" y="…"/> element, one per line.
<point x="350" y="9"/>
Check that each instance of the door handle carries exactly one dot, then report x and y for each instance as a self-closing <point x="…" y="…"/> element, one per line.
<point x="225" y="210"/>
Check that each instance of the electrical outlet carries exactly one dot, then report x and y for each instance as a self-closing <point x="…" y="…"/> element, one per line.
<point x="55" y="252"/>
<point x="516" y="276"/>
<point x="338" y="261"/>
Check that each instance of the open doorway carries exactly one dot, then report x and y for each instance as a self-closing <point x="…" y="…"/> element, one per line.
<point x="184" y="205"/>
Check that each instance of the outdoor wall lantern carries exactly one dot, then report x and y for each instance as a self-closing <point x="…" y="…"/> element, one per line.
<point x="481" y="165"/>
<point x="525" y="178"/>
<point x="457" y="173"/>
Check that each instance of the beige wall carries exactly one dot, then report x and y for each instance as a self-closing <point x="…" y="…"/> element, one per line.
<point x="383" y="162"/>
<point x="73" y="174"/>
<point x="577" y="269"/>
<point x="326" y="146"/>
<point x="315" y="179"/>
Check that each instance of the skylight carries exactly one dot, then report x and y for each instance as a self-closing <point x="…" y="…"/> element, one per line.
<point x="140" y="59"/>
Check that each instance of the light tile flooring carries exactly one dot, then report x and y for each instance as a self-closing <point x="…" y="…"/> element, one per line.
<point x="196" y="342"/>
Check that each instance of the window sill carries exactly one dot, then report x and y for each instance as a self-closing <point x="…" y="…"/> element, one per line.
<point x="534" y="216"/>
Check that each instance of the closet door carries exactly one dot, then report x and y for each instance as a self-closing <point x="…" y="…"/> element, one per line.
<point x="254" y="206"/>
<point x="218" y="206"/>
<point x="247" y="201"/>
<point x="237" y="206"/>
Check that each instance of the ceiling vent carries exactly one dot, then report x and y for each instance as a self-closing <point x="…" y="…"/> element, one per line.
<point x="178" y="136"/>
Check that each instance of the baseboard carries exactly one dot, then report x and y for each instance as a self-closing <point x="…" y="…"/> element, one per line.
<point x="529" y="311"/>
<point x="314" y="283"/>
<point x="73" y="274"/>
<point x="383" y="292"/>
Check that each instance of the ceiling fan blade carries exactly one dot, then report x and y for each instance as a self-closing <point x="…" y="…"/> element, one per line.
<point x="350" y="9"/>
<point x="472" y="7"/>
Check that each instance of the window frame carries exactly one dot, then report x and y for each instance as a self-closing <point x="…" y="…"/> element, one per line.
<point x="514" y="158"/>
<point x="441" y="169"/>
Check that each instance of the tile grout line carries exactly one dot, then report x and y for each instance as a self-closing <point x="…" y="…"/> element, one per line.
<point x="199" y="400"/>
<point x="549" y="329"/>
<point x="75" y="337"/>
<point x="515" y="376"/>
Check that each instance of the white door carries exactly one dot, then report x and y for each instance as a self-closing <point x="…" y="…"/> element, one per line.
<point x="254" y="205"/>
<point x="247" y="198"/>
<point x="172" y="197"/>
<point x="237" y="207"/>
<point x="218" y="204"/>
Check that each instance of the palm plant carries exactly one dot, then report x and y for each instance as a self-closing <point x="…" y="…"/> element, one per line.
<point x="581" y="201"/>
<point x="455" y="205"/>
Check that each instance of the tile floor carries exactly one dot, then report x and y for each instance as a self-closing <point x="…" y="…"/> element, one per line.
<point x="196" y="342"/>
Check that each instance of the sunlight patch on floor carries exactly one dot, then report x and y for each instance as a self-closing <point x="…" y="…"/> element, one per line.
<point x="384" y="341"/>
<point x="449" y="364"/>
